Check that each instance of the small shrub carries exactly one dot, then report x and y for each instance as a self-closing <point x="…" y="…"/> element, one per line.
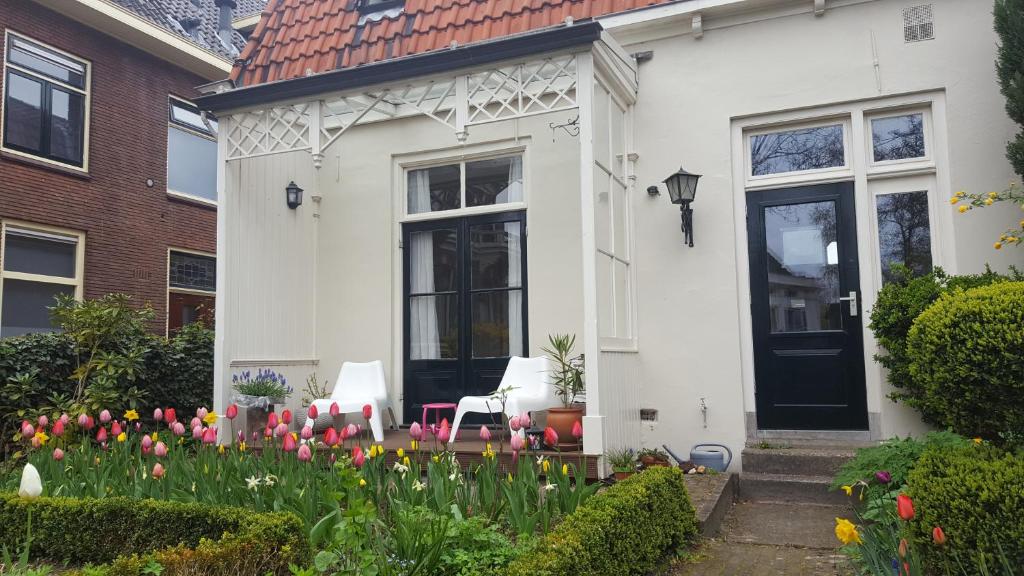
<point x="967" y="360"/>
<point x="976" y="494"/>
<point x="897" y="456"/>
<point x="475" y="547"/>
<point x="627" y="529"/>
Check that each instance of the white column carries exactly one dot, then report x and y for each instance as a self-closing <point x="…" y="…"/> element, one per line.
<point x="221" y="387"/>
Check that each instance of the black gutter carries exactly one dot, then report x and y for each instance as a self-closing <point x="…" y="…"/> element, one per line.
<point x="425" y="64"/>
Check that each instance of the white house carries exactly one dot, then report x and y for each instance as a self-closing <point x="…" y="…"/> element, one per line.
<point x="479" y="174"/>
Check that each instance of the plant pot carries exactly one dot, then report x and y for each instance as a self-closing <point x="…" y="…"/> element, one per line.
<point x="562" y="420"/>
<point x="649" y="461"/>
<point x="620" y="476"/>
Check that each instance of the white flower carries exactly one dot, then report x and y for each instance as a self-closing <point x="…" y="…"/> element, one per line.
<point x="453" y="476"/>
<point x="400" y="468"/>
<point x="31" y="483"/>
<point x="549" y="487"/>
<point x="269" y="480"/>
<point x="252" y="483"/>
<point x="540" y="460"/>
<point x="418" y="486"/>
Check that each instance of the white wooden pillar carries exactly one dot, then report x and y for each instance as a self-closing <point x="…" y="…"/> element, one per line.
<point x="225" y="197"/>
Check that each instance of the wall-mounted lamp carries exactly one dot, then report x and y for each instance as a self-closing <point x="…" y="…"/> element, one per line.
<point x="653" y="191"/>
<point x="682" y="188"/>
<point x="293" y="194"/>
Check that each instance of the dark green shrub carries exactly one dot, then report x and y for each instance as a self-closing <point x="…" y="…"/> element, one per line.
<point x="967" y="360"/>
<point x="898" y="304"/>
<point x="129" y="533"/>
<point x="626" y="529"/>
<point x="897" y="456"/>
<point x="179" y="370"/>
<point x="976" y="494"/>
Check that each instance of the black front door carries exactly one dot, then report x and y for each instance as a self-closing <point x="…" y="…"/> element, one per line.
<point x="805" y="288"/>
<point x="464" y="306"/>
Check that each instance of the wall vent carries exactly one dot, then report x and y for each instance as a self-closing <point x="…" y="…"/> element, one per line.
<point x="648" y="415"/>
<point x="918" y="24"/>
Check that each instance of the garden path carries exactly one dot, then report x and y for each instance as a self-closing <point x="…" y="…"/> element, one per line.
<point x="772" y="539"/>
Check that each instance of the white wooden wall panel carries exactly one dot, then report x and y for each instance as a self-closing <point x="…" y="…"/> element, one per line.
<point x="620" y="399"/>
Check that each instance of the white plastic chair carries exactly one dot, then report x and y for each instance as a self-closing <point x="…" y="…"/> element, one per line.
<point x="530" y="380"/>
<point x="359" y="384"/>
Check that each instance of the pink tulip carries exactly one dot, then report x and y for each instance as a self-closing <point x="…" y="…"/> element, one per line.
<point x="306" y="433"/>
<point x="138" y="426"/>
<point x="170" y="415"/>
<point x="101" y="435"/>
<point x="550" y="437"/>
<point x="281" y="431"/>
<point x="358" y="428"/>
<point x="27" y="429"/>
<point x="83" y="420"/>
<point x="210" y="435"/>
<point x="524" y="420"/>
<point x="105" y="417"/>
<point x="147" y="442"/>
<point x="517" y="442"/>
<point x="367" y="411"/>
<point x="115" y="429"/>
<point x="289" y="443"/>
<point x="286" y="416"/>
<point x="241" y="436"/>
<point x="267" y="432"/>
<point x="272" y="420"/>
<point x="158" y="470"/>
<point x="43" y="421"/>
<point x="36" y="442"/>
<point x="335" y="409"/>
<point x="232" y="412"/>
<point x="332" y="458"/>
<point x="65" y="418"/>
<point x="58" y="428"/>
<point x="344" y="433"/>
<point x="305" y="454"/>
<point x="577" y="430"/>
<point x="416" y="431"/>
<point x="90" y="423"/>
<point x="158" y="415"/>
<point x="358" y="458"/>
<point x="485" y="434"/>
<point x="201" y="412"/>
<point x="196" y="421"/>
<point x="58" y="454"/>
<point x="197" y="432"/>
<point x="160" y="449"/>
<point x="514" y="423"/>
<point x="443" y="435"/>
<point x="177" y="428"/>
<point x="352" y="430"/>
<point x="313" y="412"/>
<point x="331" y="437"/>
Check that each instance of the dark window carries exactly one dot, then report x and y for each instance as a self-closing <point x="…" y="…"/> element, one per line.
<point x="904" y="233"/>
<point x="898" y="137"/>
<point x="374" y="6"/>
<point x="37" y="267"/>
<point x="797" y="150"/>
<point x="193" y="272"/>
<point x="44" y="102"/>
<point x="191" y="151"/>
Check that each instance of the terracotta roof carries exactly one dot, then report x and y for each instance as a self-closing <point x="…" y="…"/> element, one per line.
<point x="299" y="37"/>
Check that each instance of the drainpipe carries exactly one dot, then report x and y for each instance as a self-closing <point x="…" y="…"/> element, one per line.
<point x="224" y="19"/>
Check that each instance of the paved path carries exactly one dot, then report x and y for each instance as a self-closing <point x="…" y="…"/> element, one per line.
<point x="769" y="539"/>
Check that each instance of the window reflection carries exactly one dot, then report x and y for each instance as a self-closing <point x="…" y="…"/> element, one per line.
<point x="796" y="150"/>
<point x="904" y="233"/>
<point x="898" y="137"/>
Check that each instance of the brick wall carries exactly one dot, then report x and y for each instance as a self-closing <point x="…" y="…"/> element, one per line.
<point x="128" y="226"/>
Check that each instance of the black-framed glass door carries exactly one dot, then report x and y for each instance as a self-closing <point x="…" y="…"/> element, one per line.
<point x="806" y="318"/>
<point x="464" y="305"/>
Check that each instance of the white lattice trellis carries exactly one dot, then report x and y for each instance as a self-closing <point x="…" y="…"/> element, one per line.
<point x="261" y="132"/>
<point x="522" y="90"/>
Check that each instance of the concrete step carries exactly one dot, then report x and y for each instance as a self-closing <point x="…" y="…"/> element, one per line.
<point x="824" y="461"/>
<point x="760" y="487"/>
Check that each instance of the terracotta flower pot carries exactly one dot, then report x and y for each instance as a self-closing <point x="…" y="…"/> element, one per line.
<point x="562" y="419"/>
<point x="619" y="476"/>
<point x="650" y="461"/>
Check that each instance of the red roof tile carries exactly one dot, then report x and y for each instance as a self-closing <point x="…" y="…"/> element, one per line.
<point x="298" y="37"/>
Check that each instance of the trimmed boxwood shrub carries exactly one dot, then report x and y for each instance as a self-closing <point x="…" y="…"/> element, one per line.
<point x="626" y="529"/>
<point x="128" y="533"/>
<point x="967" y="360"/>
<point x="976" y="494"/>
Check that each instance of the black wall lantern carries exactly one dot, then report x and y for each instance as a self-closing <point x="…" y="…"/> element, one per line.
<point x="294" y="195"/>
<point x="682" y="188"/>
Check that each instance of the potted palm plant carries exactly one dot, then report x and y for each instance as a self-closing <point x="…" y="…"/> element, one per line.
<point x="567" y="378"/>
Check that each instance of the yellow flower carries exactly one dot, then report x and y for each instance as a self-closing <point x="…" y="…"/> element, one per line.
<point x="400" y="453"/>
<point x="210" y="418"/>
<point x="436" y="459"/>
<point x="989" y="201"/>
<point x="954" y="199"/>
<point x="122" y="437"/>
<point x="42" y="437"/>
<point x="413" y="444"/>
<point x="993" y="195"/>
<point x="960" y="194"/>
<point x="362" y="482"/>
<point x="1011" y="239"/>
<point x="241" y="446"/>
<point x="220" y="449"/>
<point x="405" y="461"/>
<point x="509" y="477"/>
<point x="977" y="440"/>
<point x="295" y="436"/>
<point x="97" y="460"/>
<point x="545" y="466"/>
<point x="1022" y="223"/>
<point x="963" y="208"/>
<point x="848" y="490"/>
<point x="565" y="469"/>
<point x="997" y="245"/>
<point x="846" y="532"/>
<point x="154" y="436"/>
<point x="131" y="415"/>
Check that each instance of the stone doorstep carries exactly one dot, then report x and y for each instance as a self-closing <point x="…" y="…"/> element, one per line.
<point x="712" y="496"/>
<point x="823" y="461"/>
<point x="793" y="488"/>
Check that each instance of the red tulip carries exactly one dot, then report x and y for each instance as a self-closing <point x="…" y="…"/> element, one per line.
<point x="90" y="423"/>
<point x="101" y="436"/>
<point x="905" y="507"/>
<point x="170" y="415"/>
<point x="358" y="458"/>
<point x="289" y="443"/>
<point x="83" y="420"/>
<point x="272" y="420"/>
<point x="158" y="415"/>
<point x="115" y="428"/>
<point x="105" y="417"/>
<point x="305" y="454"/>
<point x="267" y="432"/>
<point x="306" y="433"/>
<point x="158" y="471"/>
<point x="232" y="412"/>
<point x="160" y="449"/>
<point x="416" y="431"/>
<point x="444" y="435"/>
<point x="210" y="436"/>
<point x="550" y="437"/>
<point x="313" y="412"/>
<point x="445" y="424"/>
<point x="286" y="416"/>
<point x="367" y="411"/>
<point x="331" y="437"/>
<point x="335" y="409"/>
<point x="344" y="433"/>
<point x="577" y="430"/>
<point x="938" y="536"/>
<point x="58" y="428"/>
<point x="485" y="434"/>
<point x="58" y="454"/>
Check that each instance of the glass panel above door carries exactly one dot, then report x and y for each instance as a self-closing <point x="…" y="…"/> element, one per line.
<point x="494" y="181"/>
<point x="904" y="233"/>
<point x="434" y="189"/>
<point x="495" y="255"/>
<point x="898" y="137"/>
<point x="797" y="150"/>
<point x="803" y="267"/>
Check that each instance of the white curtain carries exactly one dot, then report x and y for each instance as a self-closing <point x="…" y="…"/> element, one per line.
<point x="514" y="191"/>
<point x="515" y="297"/>
<point x="424" y="338"/>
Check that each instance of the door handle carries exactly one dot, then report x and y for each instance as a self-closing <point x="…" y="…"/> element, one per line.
<point x="852" y="299"/>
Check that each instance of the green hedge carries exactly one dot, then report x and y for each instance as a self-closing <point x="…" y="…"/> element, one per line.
<point x="626" y="529"/>
<point x="967" y="360"/>
<point x="976" y="494"/>
<point x="127" y="534"/>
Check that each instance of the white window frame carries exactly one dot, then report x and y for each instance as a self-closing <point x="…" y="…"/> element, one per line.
<point x="167" y="172"/>
<point x="921" y="183"/>
<point x="461" y="161"/>
<point x="176" y="290"/>
<point x="78" y="282"/>
<point x="86" y="92"/>
<point x="904" y="165"/>
<point x="783" y="179"/>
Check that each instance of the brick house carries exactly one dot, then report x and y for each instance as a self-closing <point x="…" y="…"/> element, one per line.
<point x="107" y="177"/>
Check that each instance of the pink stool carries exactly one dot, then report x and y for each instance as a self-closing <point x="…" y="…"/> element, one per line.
<point x="436" y="407"/>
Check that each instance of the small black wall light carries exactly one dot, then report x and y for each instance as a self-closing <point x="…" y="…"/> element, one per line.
<point x="653" y="191"/>
<point x="293" y="194"/>
<point x="682" y="189"/>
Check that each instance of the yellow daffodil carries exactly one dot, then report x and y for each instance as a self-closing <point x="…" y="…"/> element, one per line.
<point x="362" y="482"/>
<point x="1022" y="223"/>
<point x="565" y="469"/>
<point x="295" y="436"/>
<point x="131" y="415"/>
<point x="220" y="449"/>
<point x="97" y="460"/>
<point x="977" y="440"/>
<point x="122" y="437"/>
<point x="413" y="444"/>
<point x="545" y="466"/>
<point x="241" y="446"/>
<point x="210" y="419"/>
<point x="400" y="452"/>
<point x="848" y="490"/>
<point x="42" y="437"/>
<point x="405" y="460"/>
<point x="509" y="477"/>
<point x="154" y="436"/>
<point x="1011" y="239"/>
<point x="963" y="208"/>
<point x="846" y="532"/>
<point x="436" y="459"/>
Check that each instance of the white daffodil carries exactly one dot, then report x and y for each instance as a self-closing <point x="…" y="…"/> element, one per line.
<point x="31" y="483"/>
<point x="270" y="480"/>
<point x="419" y="486"/>
<point x="400" y="468"/>
<point x="540" y="460"/>
<point x="252" y="483"/>
<point x="549" y="487"/>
